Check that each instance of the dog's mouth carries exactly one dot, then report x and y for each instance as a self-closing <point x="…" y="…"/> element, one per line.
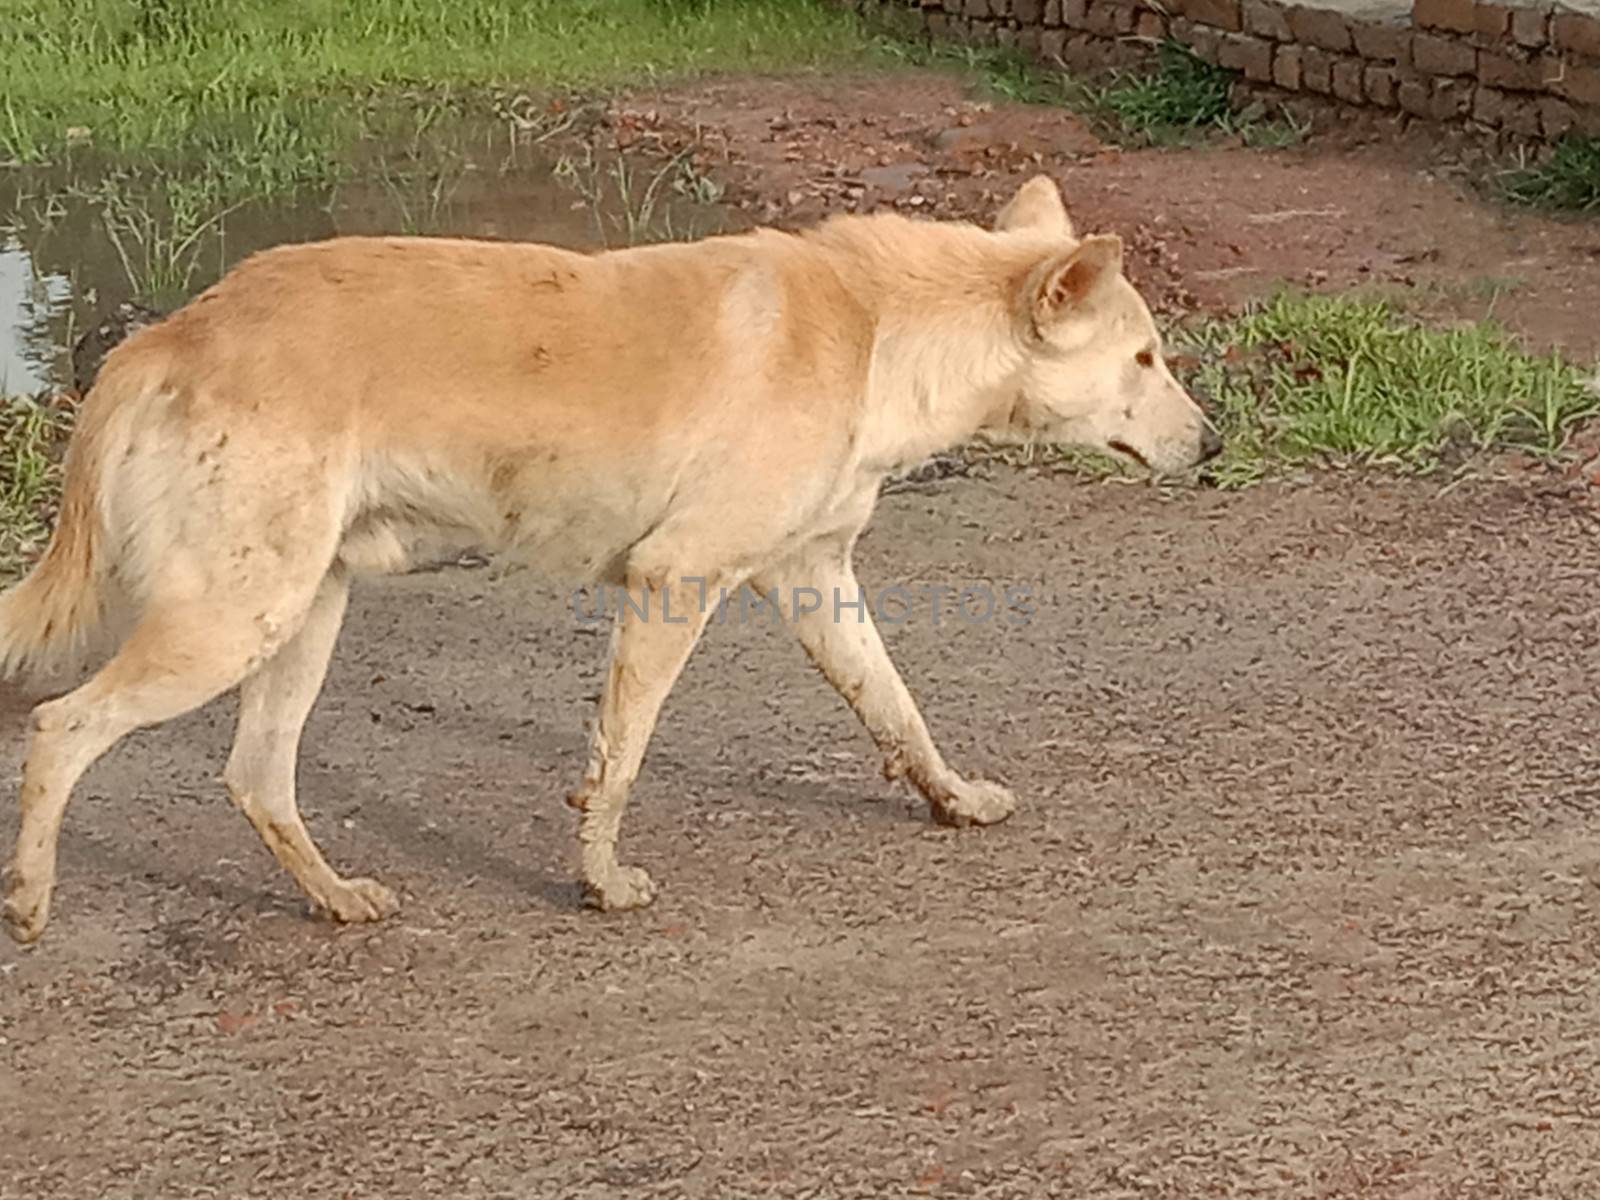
<point x="1123" y="450"/>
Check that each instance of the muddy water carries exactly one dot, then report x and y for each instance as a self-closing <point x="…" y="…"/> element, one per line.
<point x="67" y="260"/>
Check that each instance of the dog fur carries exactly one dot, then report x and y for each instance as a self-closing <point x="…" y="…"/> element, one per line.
<point x="650" y="418"/>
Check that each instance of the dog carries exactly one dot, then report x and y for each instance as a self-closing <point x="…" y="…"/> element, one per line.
<point x="666" y="419"/>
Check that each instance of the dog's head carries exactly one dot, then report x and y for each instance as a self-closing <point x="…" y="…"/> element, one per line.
<point x="1093" y="373"/>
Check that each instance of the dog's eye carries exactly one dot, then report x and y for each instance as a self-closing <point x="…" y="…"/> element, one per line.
<point x="1145" y="359"/>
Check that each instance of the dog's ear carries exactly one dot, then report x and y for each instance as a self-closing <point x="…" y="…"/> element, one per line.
<point x="1037" y="205"/>
<point x="1066" y="282"/>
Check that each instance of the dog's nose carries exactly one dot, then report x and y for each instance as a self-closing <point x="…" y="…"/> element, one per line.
<point x="1210" y="444"/>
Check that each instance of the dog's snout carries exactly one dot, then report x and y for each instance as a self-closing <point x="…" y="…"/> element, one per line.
<point x="1210" y="443"/>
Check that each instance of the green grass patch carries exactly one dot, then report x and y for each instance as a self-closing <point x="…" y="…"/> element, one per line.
<point x="1328" y="380"/>
<point x="1184" y="92"/>
<point x="1178" y="99"/>
<point x="1182" y="99"/>
<point x="264" y="94"/>
<point x="1569" y="179"/>
<point x="31" y="436"/>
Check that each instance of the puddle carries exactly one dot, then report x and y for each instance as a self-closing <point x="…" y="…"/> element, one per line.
<point x="67" y="260"/>
<point x="27" y="302"/>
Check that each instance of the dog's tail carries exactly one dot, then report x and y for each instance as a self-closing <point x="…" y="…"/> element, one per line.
<point x="50" y="621"/>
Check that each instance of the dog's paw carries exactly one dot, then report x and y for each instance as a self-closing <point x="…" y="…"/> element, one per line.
<point x="621" y="889"/>
<point x="975" y="802"/>
<point x="24" y="915"/>
<point x="359" y="901"/>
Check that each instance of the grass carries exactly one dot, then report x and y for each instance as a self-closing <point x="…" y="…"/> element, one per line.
<point x="1569" y="180"/>
<point x="1183" y="93"/>
<point x="31" y="434"/>
<point x="631" y="206"/>
<point x="1183" y="98"/>
<point x="265" y="94"/>
<point x="1329" y="380"/>
<point x="159" y="229"/>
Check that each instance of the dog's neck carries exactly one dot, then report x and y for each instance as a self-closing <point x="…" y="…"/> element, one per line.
<point x="930" y="389"/>
<point x="945" y="354"/>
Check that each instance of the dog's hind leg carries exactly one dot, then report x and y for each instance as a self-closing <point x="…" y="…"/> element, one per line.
<point x="183" y="653"/>
<point x="850" y="652"/>
<point x="260" y="776"/>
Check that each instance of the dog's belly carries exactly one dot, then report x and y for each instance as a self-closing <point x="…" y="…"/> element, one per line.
<point x="567" y="524"/>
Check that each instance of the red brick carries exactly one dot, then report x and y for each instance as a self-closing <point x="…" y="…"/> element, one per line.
<point x="1491" y="22"/>
<point x="1524" y="117"/>
<point x="1380" y="85"/>
<point x="1530" y="27"/>
<point x="1075" y="14"/>
<point x="1265" y="19"/>
<point x="1028" y="12"/>
<point x="1102" y="18"/>
<point x="1347" y="80"/>
<point x="1515" y="72"/>
<point x="1202" y="39"/>
<point x="1286" y="68"/>
<point x="1434" y="55"/>
<point x="1127" y="18"/>
<point x="1029" y="39"/>
<point x="1580" y="84"/>
<point x="1086" y="53"/>
<point x="1576" y="33"/>
<point x="1052" y="13"/>
<point x="1219" y="14"/>
<point x="1452" y="98"/>
<point x="1381" y="43"/>
<point x="1241" y="52"/>
<point x="1320" y="27"/>
<point x="1488" y="106"/>
<point x="1152" y="26"/>
<point x="1413" y="95"/>
<point x="1555" y="116"/>
<point x="1316" y="70"/>
<point x="1053" y="45"/>
<point x="1458" y="16"/>
<point x="1521" y="116"/>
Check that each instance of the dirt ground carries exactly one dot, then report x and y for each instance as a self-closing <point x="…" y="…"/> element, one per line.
<point x="1301" y="898"/>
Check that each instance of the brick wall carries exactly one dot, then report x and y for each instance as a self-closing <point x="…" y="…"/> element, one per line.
<point x="1529" y="71"/>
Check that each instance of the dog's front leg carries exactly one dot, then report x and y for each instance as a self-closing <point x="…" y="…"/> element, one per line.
<point x="835" y="625"/>
<point x="656" y="629"/>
